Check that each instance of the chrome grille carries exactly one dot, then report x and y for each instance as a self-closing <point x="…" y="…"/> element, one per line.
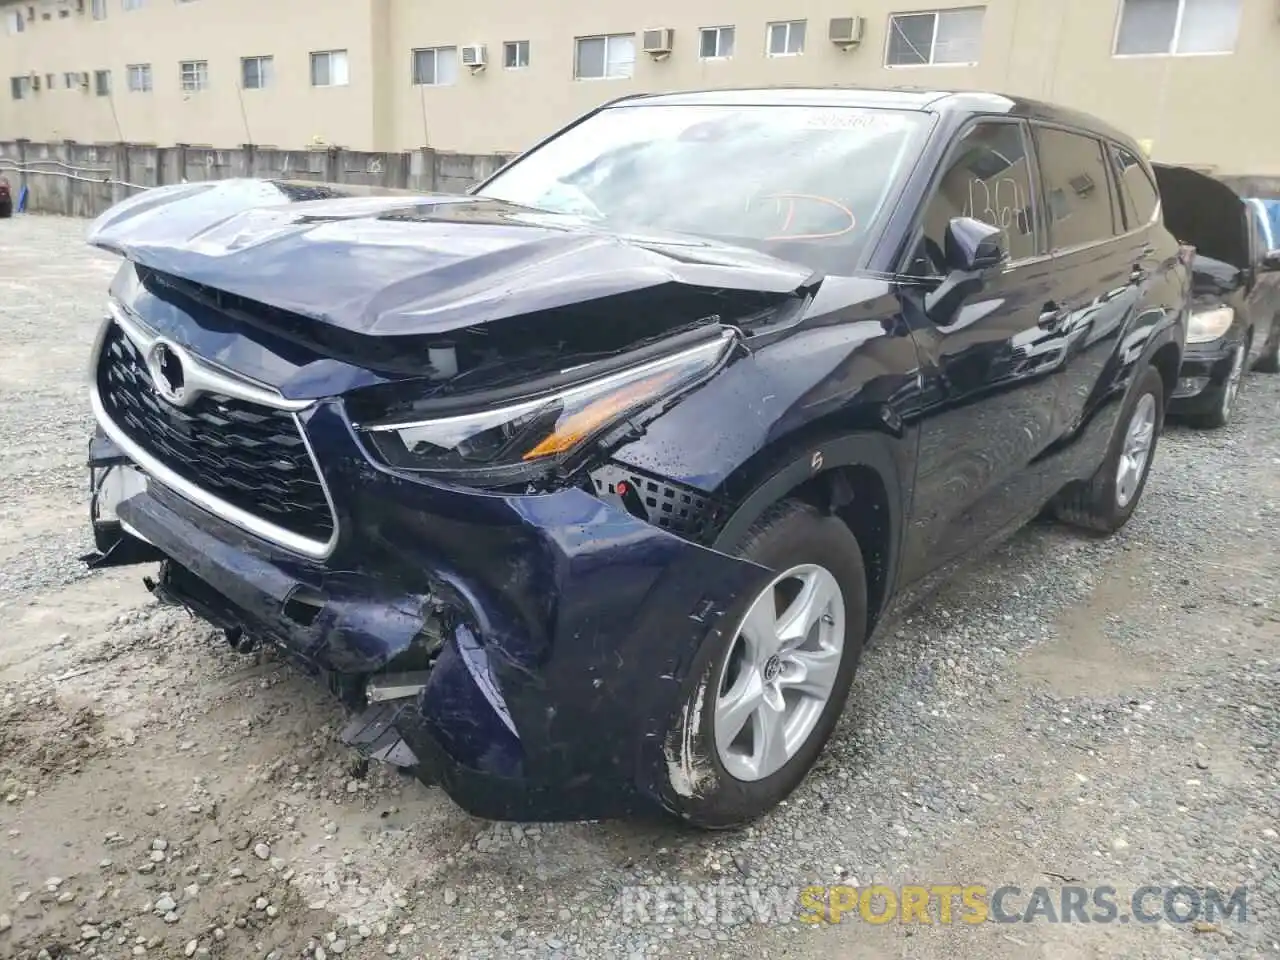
<point x="245" y="454"/>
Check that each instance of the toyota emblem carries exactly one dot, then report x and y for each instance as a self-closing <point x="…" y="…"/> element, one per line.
<point x="164" y="363"/>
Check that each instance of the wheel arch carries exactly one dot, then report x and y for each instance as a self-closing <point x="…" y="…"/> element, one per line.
<point x="857" y="477"/>
<point x="1167" y="359"/>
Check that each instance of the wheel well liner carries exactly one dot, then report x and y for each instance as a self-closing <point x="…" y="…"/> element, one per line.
<point x="853" y="477"/>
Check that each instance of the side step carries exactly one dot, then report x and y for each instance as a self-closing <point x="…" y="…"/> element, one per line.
<point x="373" y="734"/>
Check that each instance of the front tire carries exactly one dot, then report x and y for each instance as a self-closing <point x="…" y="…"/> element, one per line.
<point x="1225" y="397"/>
<point x="1269" y="362"/>
<point x="1106" y="502"/>
<point x="770" y="689"/>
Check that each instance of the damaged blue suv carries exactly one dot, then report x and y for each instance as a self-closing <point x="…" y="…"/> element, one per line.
<point x="586" y="490"/>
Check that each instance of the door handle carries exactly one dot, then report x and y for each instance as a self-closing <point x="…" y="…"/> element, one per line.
<point x="1051" y="316"/>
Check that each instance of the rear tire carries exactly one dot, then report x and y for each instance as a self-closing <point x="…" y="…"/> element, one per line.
<point x="1105" y="503"/>
<point x="723" y="765"/>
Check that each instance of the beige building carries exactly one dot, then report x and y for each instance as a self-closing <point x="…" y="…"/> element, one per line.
<point x="1195" y="78"/>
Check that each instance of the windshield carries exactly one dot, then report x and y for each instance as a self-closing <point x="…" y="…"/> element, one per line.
<point x="802" y="183"/>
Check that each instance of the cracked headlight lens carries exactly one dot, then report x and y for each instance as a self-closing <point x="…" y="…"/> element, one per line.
<point x="519" y="439"/>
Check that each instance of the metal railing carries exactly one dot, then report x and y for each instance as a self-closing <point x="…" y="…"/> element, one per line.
<point x="68" y="171"/>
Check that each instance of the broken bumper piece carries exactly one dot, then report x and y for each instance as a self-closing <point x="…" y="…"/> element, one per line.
<point x="528" y="654"/>
<point x="112" y="480"/>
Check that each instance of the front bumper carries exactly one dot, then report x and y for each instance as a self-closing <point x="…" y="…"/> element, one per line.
<point x="1205" y="369"/>
<point x="570" y="624"/>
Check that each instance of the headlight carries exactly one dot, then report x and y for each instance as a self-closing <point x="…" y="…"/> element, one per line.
<point x="522" y="438"/>
<point x="1209" y="325"/>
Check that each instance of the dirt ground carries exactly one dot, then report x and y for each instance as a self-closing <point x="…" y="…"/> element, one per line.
<point x="1070" y="710"/>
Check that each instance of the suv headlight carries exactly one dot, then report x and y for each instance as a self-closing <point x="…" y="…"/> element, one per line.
<point x="1206" y="325"/>
<point x="522" y="438"/>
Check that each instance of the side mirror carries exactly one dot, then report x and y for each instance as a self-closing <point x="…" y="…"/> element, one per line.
<point x="971" y="248"/>
<point x="1270" y="262"/>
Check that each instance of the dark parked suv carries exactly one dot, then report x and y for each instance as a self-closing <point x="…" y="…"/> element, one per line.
<point x="586" y="490"/>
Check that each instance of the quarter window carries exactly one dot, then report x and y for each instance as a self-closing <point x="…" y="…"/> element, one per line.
<point x="1177" y="27"/>
<point x="1078" y="198"/>
<point x="716" y="43"/>
<point x="938" y="37"/>
<point x="987" y="178"/>
<point x="435" y="67"/>
<point x="1138" y="194"/>
<point x="599" y="58"/>
<point x="786" y="39"/>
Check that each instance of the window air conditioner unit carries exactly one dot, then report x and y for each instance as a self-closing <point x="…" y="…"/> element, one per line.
<point x="79" y="6"/>
<point x="84" y="81"/>
<point x="475" y="56"/>
<point x="35" y="81"/>
<point x="846" y="32"/>
<point x="657" y="41"/>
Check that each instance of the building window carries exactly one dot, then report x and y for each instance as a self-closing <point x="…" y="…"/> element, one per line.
<point x="14" y="22"/>
<point x="20" y="87"/>
<point x="329" y="68"/>
<point x="937" y="38"/>
<point x="435" y="67"/>
<point x="139" y="77"/>
<point x="132" y="4"/>
<point x="71" y="80"/>
<point x="1177" y="27"/>
<point x="195" y="75"/>
<point x="102" y="83"/>
<point x="598" y="58"/>
<point x="515" y="54"/>
<point x="786" y="39"/>
<point x="256" y="73"/>
<point x="99" y="9"/>
<point x="716" y="43"/>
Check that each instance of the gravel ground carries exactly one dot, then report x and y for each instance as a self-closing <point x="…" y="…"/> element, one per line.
<point x="1070" y="711"/>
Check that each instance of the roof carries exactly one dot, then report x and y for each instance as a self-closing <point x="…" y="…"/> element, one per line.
<point x="890" y="98"/>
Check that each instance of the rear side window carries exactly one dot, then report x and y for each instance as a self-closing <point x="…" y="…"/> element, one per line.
<point x="987" y="177"/>
<point x="1077" y="191"/>
<point x="1138" y="193"/>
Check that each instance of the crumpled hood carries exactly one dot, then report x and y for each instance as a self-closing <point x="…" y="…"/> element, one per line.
<point x="384" y="262"/>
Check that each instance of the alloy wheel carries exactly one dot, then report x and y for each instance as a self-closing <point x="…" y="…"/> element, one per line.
<point x="780" y="672"/>
<point x="1139" y="437"/>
